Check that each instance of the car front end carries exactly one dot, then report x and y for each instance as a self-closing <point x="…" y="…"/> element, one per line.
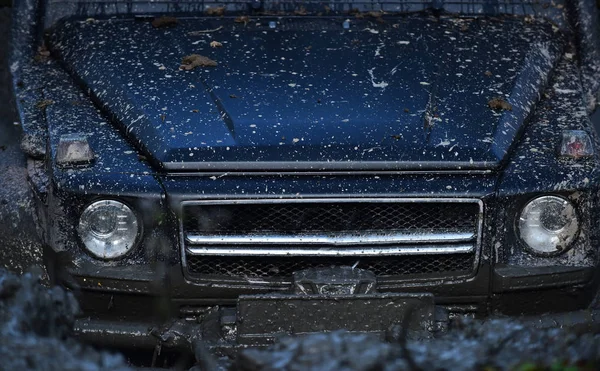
<point x="389" y="160"/>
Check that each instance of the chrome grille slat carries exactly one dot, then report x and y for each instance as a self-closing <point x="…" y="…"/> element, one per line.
<point x="385" y="251"/>
<point x="333" y="240"/>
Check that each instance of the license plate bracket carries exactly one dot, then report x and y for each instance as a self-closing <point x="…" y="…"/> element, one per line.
<point x="263" y="318"/>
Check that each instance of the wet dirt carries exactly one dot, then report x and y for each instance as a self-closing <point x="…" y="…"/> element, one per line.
<point x="33" y="145"/>
<point x="499" y="344"/>
<point x="20" y="247"/>
<point x="35" y="329"/>
<point x="36" y="325"/>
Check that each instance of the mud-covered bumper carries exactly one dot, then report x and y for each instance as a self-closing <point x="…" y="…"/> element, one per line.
<point x="533" y="290"/>
<point x="142" y="320"/>
<point x="185" y="334"/>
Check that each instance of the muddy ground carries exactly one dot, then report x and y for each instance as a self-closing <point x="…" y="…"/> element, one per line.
<point x="36" y="322"/>
<point x="19" y="245"/>
<point x="35" y="329"/>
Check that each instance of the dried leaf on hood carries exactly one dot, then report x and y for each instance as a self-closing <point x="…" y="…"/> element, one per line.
<point x="195" y="60"/>
<point x="215" y="11"/>
<point x="44" y="103"/>
<point x="215" y="44"/>
<point x="374" y="14"/>
<point x="165" y="21"/>
<point x="42" y="54"/>
<point x="498" y="103"/>
<point x="242" y="19"/>
<point x="43" y="51"/>
<point x="301" y="11"/>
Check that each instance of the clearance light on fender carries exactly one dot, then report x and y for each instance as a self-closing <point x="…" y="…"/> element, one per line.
<point x="576" y="144"/>
<point x="73" y="150"/>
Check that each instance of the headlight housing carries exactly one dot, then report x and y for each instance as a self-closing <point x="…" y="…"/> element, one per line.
<point x="108" y="228"/>
<point x="548" y="224"/>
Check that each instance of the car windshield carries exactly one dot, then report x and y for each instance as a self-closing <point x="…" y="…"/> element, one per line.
<point x="56" y="9"/>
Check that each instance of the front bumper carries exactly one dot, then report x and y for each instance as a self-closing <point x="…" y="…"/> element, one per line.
<point x="130" y="315"/>
<point x="216" y="330"/>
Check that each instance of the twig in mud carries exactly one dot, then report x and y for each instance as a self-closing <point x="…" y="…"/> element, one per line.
<point x="202" y="32"/>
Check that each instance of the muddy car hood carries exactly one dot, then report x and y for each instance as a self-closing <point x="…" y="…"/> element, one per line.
<point x="314" y="93"/>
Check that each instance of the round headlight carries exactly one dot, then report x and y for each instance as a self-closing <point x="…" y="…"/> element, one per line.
<point x="108" y="229"/>
<point x="548" y="224"/>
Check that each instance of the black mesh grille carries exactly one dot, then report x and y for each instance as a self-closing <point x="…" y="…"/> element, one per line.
<point x="299" y="218"/>
<point x="283" y="267"/>
<point x="293" y="219"/>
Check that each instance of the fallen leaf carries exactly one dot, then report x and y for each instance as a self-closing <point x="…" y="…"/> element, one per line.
<point x="301" y="11"/>
<point x="195" y="60"/>
<point x="498" y="103"/>
<point x="43" y="51"/>
<point x="44" y="103"/>
<point x="374" y="14"/>
<point x="488" y="73"/>
<point x="165" y="21"/>
<point x="215" y="11"/>
<point x="215" y="44"/>
<point x="42" y="54"/>
<point x="242" y="19"/>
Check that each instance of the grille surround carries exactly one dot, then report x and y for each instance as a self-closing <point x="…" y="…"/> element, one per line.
<point x="404" y="271"/>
